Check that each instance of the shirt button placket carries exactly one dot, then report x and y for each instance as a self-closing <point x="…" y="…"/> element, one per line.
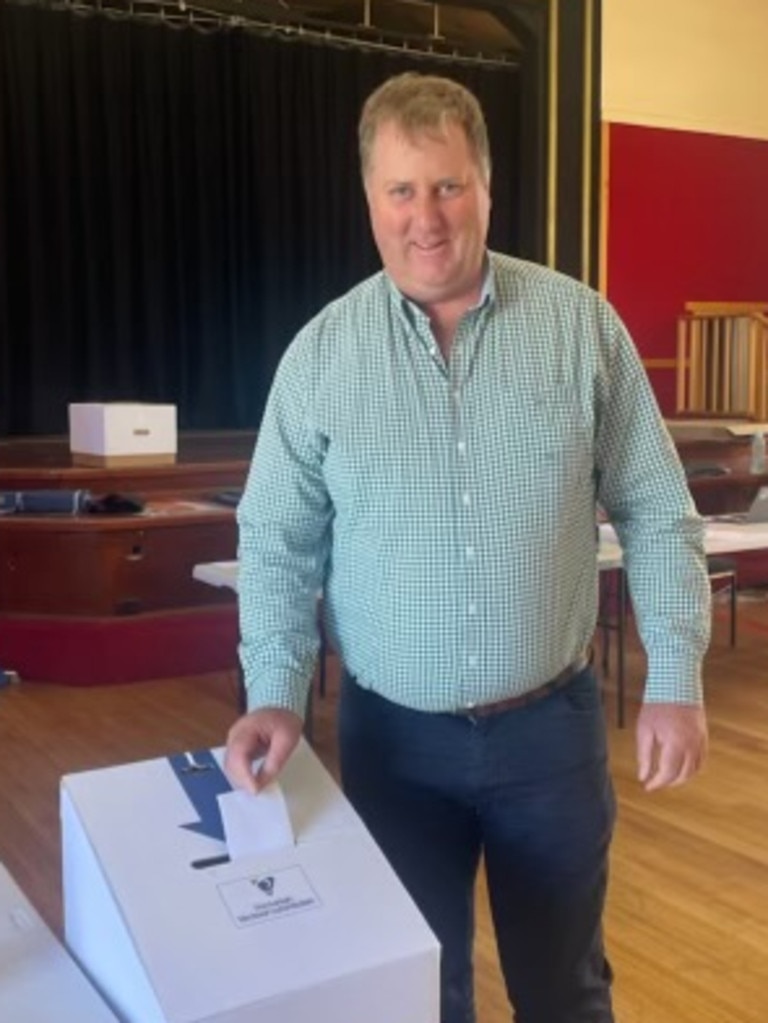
<point x="470" y="656"/>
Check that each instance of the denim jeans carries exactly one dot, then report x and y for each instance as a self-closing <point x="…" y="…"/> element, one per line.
<point x="529" y="790"/>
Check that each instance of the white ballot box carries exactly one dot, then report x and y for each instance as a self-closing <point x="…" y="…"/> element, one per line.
<point x="317" y="930"/>
<point x="39" y="982"/>
<point x="122" y="433"/>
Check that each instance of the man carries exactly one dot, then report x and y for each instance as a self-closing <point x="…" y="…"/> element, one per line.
<point x="431" y="456"/>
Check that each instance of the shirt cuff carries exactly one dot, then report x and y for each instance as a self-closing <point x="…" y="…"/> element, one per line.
<point x="674" y="679"/>
<point x="284" y="694"/>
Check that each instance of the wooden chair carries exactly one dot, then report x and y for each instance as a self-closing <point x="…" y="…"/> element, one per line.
<point x="722" y="359"/>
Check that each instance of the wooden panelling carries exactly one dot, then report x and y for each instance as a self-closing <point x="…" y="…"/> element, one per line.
<point x="112" y="565"/>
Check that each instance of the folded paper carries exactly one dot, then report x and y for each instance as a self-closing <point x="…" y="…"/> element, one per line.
<point x="255" y="824"/>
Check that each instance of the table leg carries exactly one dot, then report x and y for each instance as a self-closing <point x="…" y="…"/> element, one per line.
<point x="621" y="636"/>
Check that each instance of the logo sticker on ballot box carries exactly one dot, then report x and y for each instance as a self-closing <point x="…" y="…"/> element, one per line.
<point x="255" y="900"/>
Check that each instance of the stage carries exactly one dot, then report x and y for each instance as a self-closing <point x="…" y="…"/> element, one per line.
<point x="98" y="599"/>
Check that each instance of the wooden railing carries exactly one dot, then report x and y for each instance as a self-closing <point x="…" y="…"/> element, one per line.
<point x="722" y="359"/>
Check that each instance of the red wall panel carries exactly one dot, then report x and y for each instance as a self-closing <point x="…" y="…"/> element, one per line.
<point x="687" y="220"/>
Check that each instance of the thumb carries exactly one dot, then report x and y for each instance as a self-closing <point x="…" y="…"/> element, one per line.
<point x="282" y="744"/>
<point x="237" y="767"/>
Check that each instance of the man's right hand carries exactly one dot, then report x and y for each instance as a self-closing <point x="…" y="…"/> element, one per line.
<point x="272" y="733"/>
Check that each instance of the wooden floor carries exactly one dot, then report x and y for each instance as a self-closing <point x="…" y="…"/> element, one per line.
<point x="687" y="922"/>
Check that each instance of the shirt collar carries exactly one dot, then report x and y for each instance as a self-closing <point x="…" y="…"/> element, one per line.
<point x="415" y="313"/>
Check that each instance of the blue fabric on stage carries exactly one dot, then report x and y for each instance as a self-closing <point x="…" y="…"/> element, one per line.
<point x="42" y="502"/>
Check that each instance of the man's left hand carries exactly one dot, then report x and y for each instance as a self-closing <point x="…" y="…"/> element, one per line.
<point x="671" y="743"/>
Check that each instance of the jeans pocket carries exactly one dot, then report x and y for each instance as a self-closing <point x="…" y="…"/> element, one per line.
<point x="583" y="693"/>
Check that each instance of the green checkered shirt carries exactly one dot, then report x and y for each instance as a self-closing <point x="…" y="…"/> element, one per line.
<point x="446" y="509"/>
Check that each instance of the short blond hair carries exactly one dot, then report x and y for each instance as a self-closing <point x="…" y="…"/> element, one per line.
<point x="424" y="104"/>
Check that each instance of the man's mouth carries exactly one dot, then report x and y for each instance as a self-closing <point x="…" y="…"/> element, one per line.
<point x="428" y="247"/>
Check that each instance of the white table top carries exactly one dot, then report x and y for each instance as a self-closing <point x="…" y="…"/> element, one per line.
<point x="731" y="537"/>
<point x="217" y="573"/>
<point x="720" y="538"/>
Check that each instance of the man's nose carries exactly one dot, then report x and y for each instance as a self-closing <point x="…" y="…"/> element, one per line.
<point x="426" y="209"/>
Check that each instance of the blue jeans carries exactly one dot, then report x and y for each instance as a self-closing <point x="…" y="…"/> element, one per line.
<point x="529" y="790"/>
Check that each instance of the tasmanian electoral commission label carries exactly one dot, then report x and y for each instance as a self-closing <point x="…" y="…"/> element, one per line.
<point x="256" y="900"/>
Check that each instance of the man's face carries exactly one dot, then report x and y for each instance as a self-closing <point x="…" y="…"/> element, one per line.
<point x="429" y="207"/>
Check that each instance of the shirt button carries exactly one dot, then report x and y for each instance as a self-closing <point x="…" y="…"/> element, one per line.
<point x="461" y="447"/>
<point x="470" y="552"/>
<point x="465" y="497"/>
<point x="472" y="608"/>
<point x="472" y="661"/>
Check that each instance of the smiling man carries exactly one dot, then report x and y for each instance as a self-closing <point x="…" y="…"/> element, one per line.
<point x="432" y="454"/>
<point x="429" y="202"/>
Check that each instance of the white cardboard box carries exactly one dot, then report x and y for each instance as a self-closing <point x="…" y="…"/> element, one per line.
<point x="122" y="433"/>
<point x="39" y="982"/>
<point x="319" y="932"/>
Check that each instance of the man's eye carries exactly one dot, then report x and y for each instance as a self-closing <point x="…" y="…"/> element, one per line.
<point x="449" y="188"/>
<point x="400" y="191"/>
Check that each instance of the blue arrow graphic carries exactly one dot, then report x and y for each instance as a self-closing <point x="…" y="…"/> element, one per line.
<point x="203" y="780"/>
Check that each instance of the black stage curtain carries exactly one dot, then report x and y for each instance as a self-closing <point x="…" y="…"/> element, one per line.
<point x="175" y="204"/>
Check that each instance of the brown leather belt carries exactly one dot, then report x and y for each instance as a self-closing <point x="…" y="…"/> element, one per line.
<point x="523" y="699"/>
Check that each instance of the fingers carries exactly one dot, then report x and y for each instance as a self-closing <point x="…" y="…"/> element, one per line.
<point x="240" y="754"/>
<point x="282" y="745"/>
<point x="671" y="744"/>
<point x="674" y="767"/>
<point x="271" y="734"/>
<point x="645" y="742"/>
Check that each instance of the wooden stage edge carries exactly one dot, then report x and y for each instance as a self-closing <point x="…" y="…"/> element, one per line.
<point x="206" y="461"/>
<point x="219" y="459"/>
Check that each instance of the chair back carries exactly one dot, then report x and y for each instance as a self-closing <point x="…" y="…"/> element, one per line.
<point x="722" y="359"/>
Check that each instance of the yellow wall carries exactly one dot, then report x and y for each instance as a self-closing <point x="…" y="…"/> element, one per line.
<point x="696" y="65"/>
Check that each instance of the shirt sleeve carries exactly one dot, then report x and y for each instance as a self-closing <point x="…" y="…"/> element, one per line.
<point x="284" y="526"/>
<point x="642" y="486"/>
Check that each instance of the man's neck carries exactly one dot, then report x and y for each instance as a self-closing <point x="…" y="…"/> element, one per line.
<point x="444" y="318"/>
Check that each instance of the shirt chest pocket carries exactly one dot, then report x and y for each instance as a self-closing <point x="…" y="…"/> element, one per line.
<point x="566" y="433"/>
<point x="549" y="439"/>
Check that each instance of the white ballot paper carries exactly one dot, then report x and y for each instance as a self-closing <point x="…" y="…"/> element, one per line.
<point x="255" y="824"/>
